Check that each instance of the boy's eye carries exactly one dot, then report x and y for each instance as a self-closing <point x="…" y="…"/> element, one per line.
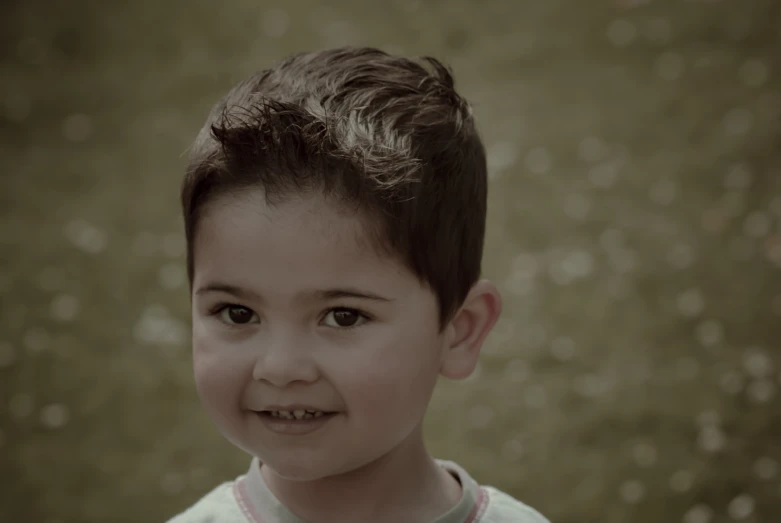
<point x="237" y="315"/>
<point x="344" y="318"/>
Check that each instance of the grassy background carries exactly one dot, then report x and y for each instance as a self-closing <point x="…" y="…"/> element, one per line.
<point x="634" y="228"/>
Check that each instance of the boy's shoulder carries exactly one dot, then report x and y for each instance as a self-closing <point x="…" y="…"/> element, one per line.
<point x="503" y="508"/>
<point x="218" y="506"/>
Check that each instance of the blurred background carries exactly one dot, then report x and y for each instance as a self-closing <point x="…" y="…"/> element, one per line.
<point x="634" y="230"/>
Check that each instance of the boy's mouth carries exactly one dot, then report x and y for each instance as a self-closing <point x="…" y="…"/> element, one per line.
<point x="298" y="414"/>
<point x="295" y="422"/>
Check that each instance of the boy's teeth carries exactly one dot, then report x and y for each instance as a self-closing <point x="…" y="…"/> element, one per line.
<point x="296" y="414"/>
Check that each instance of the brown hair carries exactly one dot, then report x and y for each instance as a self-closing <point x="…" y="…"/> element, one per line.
<point x="386" y="134"/>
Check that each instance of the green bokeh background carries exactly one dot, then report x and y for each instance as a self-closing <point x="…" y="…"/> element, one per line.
<point x="634" y="229"/>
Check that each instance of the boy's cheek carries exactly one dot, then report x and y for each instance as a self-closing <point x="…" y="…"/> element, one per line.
<point x="204" y="338"/>
<point x="377" y="389"/>
<point x="219" y="391"/>
<point x="218" y="378"/>
<point x="207" y="381"/>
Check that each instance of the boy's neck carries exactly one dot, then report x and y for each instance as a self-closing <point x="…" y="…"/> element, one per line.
<point x="405" y="485"/>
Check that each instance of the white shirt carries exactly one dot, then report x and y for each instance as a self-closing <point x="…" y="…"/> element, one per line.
<point x="249" y="500"/>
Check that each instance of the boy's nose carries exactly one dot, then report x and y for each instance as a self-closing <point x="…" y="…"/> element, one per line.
<point x="284" y="361"/>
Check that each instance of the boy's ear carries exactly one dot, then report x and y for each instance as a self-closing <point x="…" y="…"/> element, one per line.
<point x="469" y="328"/>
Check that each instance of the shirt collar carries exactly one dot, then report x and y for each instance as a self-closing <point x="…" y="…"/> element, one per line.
<point x="262" y="506"/>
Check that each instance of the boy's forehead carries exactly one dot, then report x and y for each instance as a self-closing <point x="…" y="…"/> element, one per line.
<point x="301" y="232"/>
<point x="289" y="219"/>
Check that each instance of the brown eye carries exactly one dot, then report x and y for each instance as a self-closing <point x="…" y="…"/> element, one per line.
<point x="237" y="315"/>
<point x="344" y="318"/>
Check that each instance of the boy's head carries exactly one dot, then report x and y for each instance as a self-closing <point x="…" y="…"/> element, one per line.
<point x="334" y="210"/>
<point x="381" y="134"/>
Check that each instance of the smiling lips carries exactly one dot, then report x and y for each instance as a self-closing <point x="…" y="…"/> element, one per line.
<point x="298" y="414"/>
<point x="296" y="421"/>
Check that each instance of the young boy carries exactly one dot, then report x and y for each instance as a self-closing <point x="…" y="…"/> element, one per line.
<point x="334" y="210"/>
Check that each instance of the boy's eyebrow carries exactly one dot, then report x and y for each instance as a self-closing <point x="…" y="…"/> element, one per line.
<point x="327" y="294"/>
<point x="332" y="294"/>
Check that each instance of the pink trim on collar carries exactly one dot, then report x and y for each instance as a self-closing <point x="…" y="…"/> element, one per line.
<point x="240" y="493"/>
<point x="481" y="503"/>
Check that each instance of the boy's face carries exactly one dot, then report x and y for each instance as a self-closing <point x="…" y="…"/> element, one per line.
<point x="290" y="333"/>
